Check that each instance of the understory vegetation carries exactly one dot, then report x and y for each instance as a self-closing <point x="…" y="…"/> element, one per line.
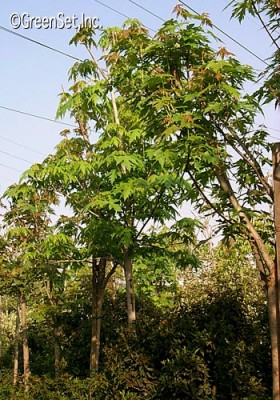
<point x="208" y="339"/>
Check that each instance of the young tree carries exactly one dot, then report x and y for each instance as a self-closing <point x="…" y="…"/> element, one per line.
<point x="25" y="224"/>
<point x="119" y="183"/>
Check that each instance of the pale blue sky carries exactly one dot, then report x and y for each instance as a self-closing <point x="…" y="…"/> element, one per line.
<point x="31" y="76"/>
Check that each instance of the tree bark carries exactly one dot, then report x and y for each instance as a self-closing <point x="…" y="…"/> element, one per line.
<point x="276" y="349"/>
<point x="130" y="294"/>
<point x="25" y="347"/>
<point x="56" y="327"/>
<point x="1" y="333"/>
<point x="16" y="345"/>
<point x="273" y="314"/>
<point x="56" y="334"/>
<point x="98" y="290"/>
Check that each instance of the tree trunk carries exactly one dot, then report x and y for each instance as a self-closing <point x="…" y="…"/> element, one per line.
<point x="272" y="265"/>
<point x="276" y="344"/>
<point x="56" y="328"/>
<point x="56" y="334"/>
<point x="274" y="333"/>
<point x="1" y="333"/>
<point x="98" y="290"/>
<point x="16" y="344"/>
<point x="130" y="294"/>
<point x="25" y="348"/>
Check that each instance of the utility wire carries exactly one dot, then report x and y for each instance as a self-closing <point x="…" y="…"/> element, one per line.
<point x="126" y="16"/>
<point x="216" y="27"/>
<point x="77" y="59"/>
<point x="273" y="129"/>
<point x="120" y="13"/>
<point x="6" y="166"/>
<point x="112" y="9"/>
<point x="5" y="178"/>
<point x="38" y="116"/>
<point x="228" y="36"/>
<point x="39" y="43"/>
<point x="148" y="11"/>
<point x="22" y="145"/>
<point x="12" y="155"/>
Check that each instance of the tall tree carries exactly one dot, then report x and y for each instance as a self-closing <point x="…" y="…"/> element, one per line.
<point x="266" y="13"/>
<point x="191" y="97"/>
<point x="119" y="183"/>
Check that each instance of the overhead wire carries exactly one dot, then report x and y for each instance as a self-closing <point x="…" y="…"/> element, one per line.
<point x="230" y="37"/>
<point x="227" y="35"/>
<point x="77" y="59"/>
<point x="37" y="116"/>
<point x="215" y="26"/>
<point x="14" y="156"/>
<point x="7" y="166"/>
<point x="120" y="13"/>
<point x="22" y="145"/>
<point x="39" y="43"/>
<point x="146" y="9"/>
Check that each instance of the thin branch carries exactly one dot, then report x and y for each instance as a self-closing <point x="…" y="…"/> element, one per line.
<point x="252" y="232"/>
<point x="70" y="260"/>
<point x="111" y="272"/>
<point x="265" y="26"/>
<point x="260" y="265"/>
<point x="101" y="71"/>
<point x="203" y="195"/>
<point x="152" y="213"/>
<point x="106" y="77"/>
<point x="249" y="158"/>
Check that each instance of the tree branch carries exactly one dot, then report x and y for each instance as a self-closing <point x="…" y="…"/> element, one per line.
<point x="249" y="158"/>
<point x="264" y="25"/>
<point x="254" y="235"/>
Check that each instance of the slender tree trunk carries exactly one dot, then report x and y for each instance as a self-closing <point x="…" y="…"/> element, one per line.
<point x="130" y="294"/>
<point x="56" y="327"/>
<point x="274" y="333"/>
<point x="276" y="345"/>
<point x="16" y="344"/>
<point x="25" y="348"/>
<point x="56" y="333"/>
<point x="98" y="290"/>
<point x="1" y="332"/>
<point x="97" y="305"/>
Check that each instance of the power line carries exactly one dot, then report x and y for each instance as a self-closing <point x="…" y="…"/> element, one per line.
<point x="22" y="145"/>
<point x="126" y="16"/>
<point x="6" y="166"/>
<point x="120" y="13"/>
<point x="39" y="43"/>
<point x="273" y="129"/>
<point x="263" y="126"/>
<point x="112" y="9"/>
<point x="216" y="27"/>
<point x="6" y="178"/>
<point x="274" y="137"/>
<point x="38" y="116"/>
<point x="228" y="36"/>
<point x="12" y="155"/>
<point x="148" y="11"/>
